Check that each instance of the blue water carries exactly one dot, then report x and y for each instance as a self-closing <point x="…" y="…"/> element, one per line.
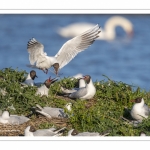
<point x="124" y="59"/>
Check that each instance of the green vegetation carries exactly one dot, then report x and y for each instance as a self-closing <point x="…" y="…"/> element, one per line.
<point x="101" y="114"/>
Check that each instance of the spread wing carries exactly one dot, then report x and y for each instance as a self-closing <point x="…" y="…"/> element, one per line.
<point x="79" y="43"/>
<point x="36" y="51"/>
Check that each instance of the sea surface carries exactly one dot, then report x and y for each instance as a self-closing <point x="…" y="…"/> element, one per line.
<point x="123" y="59"/>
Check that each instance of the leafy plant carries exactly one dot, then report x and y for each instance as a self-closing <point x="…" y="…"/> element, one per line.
<point x="100" y="114"/>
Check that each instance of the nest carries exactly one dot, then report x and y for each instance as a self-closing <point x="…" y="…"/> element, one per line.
<point x="18" y="130"/>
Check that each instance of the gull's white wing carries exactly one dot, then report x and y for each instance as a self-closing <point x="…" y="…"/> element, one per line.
<point x="44" y="132"/>
<point x="35" y="50"/>
<point x="14" y="119"/>
<point x="67" y="91"/>
<point x="79" y="43"/>
<point x="80" y="93"/>
<point x="53" y="112"/>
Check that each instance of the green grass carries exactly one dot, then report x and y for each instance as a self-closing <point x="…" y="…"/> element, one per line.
<point x="101" y="114"/>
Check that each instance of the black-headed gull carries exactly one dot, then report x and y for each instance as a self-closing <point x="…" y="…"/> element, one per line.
<point x="139" y="110"/>
<point x="30" y="78"/>
<point x="51" y="112"/>
<point x="30" y="131"/>
<point x="44" y="89"/>
<point x="39" y="59"/>
<point x="6" y="118"/>
<point x="74" y="132"/>
<point x="107" y="33"/>
<point x="86" y="92"/>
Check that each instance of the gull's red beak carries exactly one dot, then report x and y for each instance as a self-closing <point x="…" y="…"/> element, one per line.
<point x="49" y="79"/>
<point x="52" y="80"/>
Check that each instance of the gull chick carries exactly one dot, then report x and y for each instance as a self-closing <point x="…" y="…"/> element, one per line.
<point x="86" y="92"/>
<point x="139" y="110"/>
<point x="44" y="89"/>
<point x="30" y="78"/>
<point x="39" y="59"/>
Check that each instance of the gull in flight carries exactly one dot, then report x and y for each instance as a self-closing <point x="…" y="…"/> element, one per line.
<point x="39" y="59"/>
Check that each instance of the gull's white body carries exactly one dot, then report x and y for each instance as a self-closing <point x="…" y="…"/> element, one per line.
<point x="86" y="92"/>
<point x="12" y="119"/>
<point x="107" y="33"/>
<point x="43" y="90"/>
<point x="29" y="81"/>
<point x="39" y="59"/>
<point x="140" y="111"/>
<point x="82" y="83"/>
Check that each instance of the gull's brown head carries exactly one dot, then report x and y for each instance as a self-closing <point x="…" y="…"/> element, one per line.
<point x="33" y="74"/>
<point x="137" y="100"/>
<point x="87" y="78"/>
<point x="50" y="81"/>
